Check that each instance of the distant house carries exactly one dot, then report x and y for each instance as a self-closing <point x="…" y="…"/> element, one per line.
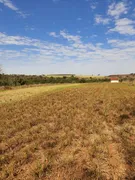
<point x="115" y="80"/>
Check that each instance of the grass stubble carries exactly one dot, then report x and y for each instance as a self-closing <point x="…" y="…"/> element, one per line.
<point x="78" y="133"/>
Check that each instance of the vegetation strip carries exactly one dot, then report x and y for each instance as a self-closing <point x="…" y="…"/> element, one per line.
<point x="18" y="80"/>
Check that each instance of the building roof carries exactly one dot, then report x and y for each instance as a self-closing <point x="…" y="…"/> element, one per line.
<point x="114" y="79"/>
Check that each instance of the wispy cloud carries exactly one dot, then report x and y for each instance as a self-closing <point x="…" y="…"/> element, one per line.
<point x="18" y="40"/>
<point x="124" y="26"/>
<point x="10" y="5"/>
<point x="75" y="55"/>
<point x="117" y="9"/>
<point x="122" y="44"/>
<point x="93" y="5"/>
<point x="53" y="34"/>
<point x="27" y="28"/>
<point x="69" y="37"/>
<point x="100" y="20"/>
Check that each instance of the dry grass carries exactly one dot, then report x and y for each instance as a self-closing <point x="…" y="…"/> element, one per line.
<point x="80" y="133"/>
<point x="18" y="94"/>
<point x="90" y="76"/>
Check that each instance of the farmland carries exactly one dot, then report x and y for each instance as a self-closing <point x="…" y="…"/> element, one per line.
<point x="77" y="132"/>
<point x="19" y="93"/>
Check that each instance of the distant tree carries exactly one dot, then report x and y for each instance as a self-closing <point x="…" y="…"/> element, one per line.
<point x="82" y="80"/>
<point x="131" y="81"/>
<point x="64" y="77"/>
<point x="72" y="76"/>
<point x="121" y="80"/>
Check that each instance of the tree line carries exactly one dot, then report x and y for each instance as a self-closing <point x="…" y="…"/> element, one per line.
<point x="19" y="80"/>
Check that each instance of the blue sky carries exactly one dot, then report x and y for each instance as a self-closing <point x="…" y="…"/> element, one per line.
<point x="67" y="36"/>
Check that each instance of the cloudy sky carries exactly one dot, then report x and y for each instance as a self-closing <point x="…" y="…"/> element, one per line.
<point x="67" y="36"/>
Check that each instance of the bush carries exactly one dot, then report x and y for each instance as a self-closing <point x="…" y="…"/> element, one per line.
<point x="19" y="80"/>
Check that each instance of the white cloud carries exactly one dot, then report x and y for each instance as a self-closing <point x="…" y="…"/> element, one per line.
<point x="70" y="38"/>
<point x="36" y="57"/>
<point x="124" y="26"/>
<point x="117" y="9"/>
<point x="19" y="41"/>
<point x="93" y="6"/>
<point x="27" y="28"/>
<point x="53" y="34"/>
<point x="121" y="43"/>
<point x="100" y="20"/>
<point x="22" y="14"/>
<point x="10" y="5"/>
<point x="124" y="22"/>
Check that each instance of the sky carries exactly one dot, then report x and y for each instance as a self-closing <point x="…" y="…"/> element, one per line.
<point x="67" y="36"/>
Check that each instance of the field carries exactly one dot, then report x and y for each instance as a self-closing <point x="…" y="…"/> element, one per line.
<point x="20" y="93"/>
<point x="78" y="76"/>
<point x="83" y="132"/>
<point x="90" y="76"/>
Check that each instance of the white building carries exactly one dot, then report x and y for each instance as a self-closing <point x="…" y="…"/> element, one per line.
<point x="115" y="80"/>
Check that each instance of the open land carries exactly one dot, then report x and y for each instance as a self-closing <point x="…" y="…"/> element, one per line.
<point x="71" y="132"/>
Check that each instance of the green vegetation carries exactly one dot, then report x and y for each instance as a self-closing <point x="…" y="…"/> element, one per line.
<point x="19" y="80"/>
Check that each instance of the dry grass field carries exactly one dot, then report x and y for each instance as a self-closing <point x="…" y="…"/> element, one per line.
<point x="81" y="133"/>
<point x="20" y="93"/>
<point x="90" y="76"/>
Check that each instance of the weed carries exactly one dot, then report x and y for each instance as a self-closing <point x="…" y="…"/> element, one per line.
<point x="41" y="170"/>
